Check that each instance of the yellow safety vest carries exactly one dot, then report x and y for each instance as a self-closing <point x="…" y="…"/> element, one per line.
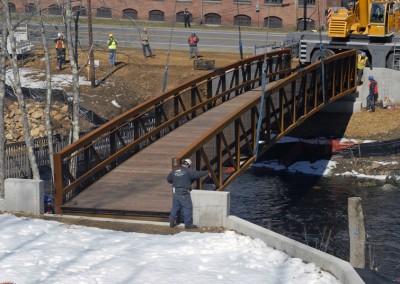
<point x="112" y="44"/>
<point x="361" y="62"/>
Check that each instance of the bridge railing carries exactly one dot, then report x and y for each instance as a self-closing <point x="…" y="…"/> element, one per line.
<point x="91" y="157"/>
<point x="229" y="147"/>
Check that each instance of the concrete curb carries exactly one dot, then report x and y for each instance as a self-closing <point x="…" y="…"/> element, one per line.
<point x="341" y="269"/>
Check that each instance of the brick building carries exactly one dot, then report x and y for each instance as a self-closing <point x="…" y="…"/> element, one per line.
<point x="255" y="13"/>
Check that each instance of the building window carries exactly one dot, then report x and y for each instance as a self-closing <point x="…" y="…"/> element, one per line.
<point x="104" y="12"/>
<point x="244" y="2"/>
<point x="273" y="2"/>
<point x="310" y="24"/>
<point x="272" y="22"/>
<point x="179" y="17"/>
<point x="30" y="8"/>
<point x="242" y="20"/>
<point x="54" y="10"/>
<point x="129" y="14"/>
<point x="212" y="19"/>
<point x="308" y="2"/>
<point x="156" y="15"/>
<point x="12" y="7"/>
<point x="81" y="9"/>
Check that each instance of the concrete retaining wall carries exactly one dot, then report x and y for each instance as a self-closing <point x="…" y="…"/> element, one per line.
<point x="341" y="269"/>
<point x="207" y="205"/>
<point x="388" y="84"/>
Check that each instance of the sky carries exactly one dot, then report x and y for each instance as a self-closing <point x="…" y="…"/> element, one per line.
<point x="40" y="251"/>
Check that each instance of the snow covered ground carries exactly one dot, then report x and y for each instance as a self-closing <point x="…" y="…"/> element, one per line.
<point x="320" y="167"/>
<point x="36" y="79"/>
<point x="39" y="251"/>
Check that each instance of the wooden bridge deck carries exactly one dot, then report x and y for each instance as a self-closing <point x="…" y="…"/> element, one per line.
<point x="139" y="186"/>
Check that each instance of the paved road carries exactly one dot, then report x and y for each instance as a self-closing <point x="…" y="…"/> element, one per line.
<point x="210" y="40"/>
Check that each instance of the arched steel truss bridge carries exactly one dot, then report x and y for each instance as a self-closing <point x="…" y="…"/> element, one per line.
<point x="291" y="96"/>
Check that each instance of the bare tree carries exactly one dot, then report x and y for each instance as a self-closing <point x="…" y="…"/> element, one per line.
<point x="49" y="98"/>
<point x="75" y="75"/>
<point x="16" y="84"/>
<point x="3" y="55"/>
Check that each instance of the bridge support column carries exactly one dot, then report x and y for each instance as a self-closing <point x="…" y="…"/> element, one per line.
<point x="24" y="195"/>
<point x="210" y="208"/>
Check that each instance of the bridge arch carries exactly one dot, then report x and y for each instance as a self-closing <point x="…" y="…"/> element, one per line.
<point x="291" y="97"/>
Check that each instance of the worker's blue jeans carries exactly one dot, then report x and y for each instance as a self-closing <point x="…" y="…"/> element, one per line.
<point x="184" y="202"/>
<point x="147" y="46"/>
<point x="113" y="55"/>
<point x="371" y="102"/>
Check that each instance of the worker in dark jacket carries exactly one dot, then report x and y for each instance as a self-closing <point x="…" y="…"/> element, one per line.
<point x="373" y="94"/>
<point x="181" y="179"/>
<point x="60" y="49"/>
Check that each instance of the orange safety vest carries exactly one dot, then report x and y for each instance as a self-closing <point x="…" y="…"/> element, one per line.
<point x="192" y="40"/>
<point x="60" y="43"/>
<point x="375" y="87"/>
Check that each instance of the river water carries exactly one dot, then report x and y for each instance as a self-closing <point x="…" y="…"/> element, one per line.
<point x="309" y="209"/>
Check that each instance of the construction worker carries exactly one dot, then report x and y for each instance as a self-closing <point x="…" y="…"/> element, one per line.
<point x="373" y="94"/>
<point x="112" y="48"/>
<point x="192" y="41"/>
<point x="362" y="61"/>
<point x="181" y="179"/>
<point x="145" y="38"/>
<point x="60" y="49"/>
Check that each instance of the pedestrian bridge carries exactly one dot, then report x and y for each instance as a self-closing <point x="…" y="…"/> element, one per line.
<point x="216" y="120"/>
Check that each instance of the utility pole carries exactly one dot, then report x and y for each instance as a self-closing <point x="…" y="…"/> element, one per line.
<point x="305" y="15"/>
<point x="91" y="55"/>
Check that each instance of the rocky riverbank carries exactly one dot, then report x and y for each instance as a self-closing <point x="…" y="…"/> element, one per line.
<point x="37" y="120"/>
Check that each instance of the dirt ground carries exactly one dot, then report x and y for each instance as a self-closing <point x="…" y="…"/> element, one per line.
<point x="134" y="79"/>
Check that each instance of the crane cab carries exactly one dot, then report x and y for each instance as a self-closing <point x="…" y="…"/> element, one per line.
<point x="381" y="18"/>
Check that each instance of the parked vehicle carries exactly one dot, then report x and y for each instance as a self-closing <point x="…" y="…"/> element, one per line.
<point x="23" y="44"/>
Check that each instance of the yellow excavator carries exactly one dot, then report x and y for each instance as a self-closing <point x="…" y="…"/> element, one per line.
<point x="372" y="18"/>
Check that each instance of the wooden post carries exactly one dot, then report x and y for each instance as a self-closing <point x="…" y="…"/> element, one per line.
<point x="356" y="232"/>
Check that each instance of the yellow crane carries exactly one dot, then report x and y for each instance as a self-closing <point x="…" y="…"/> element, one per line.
<point x="372" y="18"/>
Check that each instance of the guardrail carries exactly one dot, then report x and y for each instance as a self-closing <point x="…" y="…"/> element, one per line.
<point x="229" y="147"/>
<point x="91" y="157"/>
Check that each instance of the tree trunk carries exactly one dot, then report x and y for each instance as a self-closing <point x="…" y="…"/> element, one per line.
<point x="356" y="232"/>
<point x="3" y="54"/>
<point x="18" y="92"/>
<point x="49" y="98"/>
<point x="75" y="76"/>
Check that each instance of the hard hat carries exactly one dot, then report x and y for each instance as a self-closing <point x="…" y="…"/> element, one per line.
<point x="363" y="54"/>
<point x="370" y="78"/>
<point x="110" y="35"/>
<point x="187" y="162"/>
<point x="145" y="29"/>
<point x="193" y="32"/>
<point x="59" y="34"/>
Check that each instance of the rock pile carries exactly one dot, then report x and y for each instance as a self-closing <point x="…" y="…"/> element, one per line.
<point x="37" y="120"/>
